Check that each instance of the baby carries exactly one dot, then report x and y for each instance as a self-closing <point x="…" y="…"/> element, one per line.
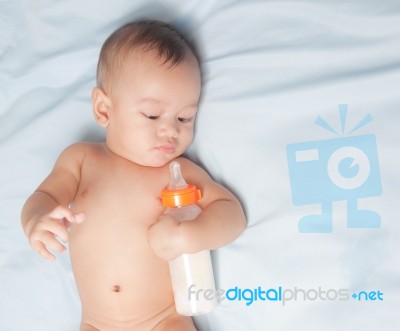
<point x="103" y="199"/>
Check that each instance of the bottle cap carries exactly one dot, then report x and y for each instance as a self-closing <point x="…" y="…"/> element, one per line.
<point x="180" y="197"/>
<point x="179" y="193"/>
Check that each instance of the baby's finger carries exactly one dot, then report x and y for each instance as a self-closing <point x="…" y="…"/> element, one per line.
<point x="79" y="218"/>
<point x="64" y="213"/>
<point x="52" y="243"/>
<point x="41" y="249"/>
<point x="59" y="230"/>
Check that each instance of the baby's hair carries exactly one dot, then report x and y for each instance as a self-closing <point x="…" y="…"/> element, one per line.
<point x="170" y="45"/>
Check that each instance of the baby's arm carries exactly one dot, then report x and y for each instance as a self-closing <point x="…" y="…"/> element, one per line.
<point x="221" y="221"/>
<point x="46" y="210"/>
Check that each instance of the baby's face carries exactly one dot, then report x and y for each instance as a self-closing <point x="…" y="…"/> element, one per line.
<point x="153" y="108"/>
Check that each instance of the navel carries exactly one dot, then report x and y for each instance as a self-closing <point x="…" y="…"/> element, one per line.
<point x="116" y="288"/>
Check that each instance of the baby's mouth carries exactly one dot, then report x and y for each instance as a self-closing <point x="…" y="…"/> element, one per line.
<point x="167" y="148"/>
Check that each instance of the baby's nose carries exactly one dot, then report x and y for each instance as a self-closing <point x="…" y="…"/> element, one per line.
<point x="169" y="128"/>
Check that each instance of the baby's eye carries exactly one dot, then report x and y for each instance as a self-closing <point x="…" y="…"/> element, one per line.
<point x="151" y="117"/>
<point x="184" y="119"/>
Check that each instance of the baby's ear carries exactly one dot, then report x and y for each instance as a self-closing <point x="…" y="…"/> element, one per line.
<point x="101" y="106"/>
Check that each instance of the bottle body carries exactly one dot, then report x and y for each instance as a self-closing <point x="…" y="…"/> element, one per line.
<point x="192" y="274"/>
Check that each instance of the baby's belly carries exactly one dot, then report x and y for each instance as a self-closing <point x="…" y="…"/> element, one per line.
<point x="117" y="275"/>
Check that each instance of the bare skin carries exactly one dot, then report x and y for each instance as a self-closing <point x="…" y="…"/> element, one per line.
<point x="104" y="200"/>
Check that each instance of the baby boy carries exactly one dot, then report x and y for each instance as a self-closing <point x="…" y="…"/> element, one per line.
<point x="103" y="199"/>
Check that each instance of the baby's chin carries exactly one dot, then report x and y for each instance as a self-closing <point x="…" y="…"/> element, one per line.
<point x="153" y="160"/>
<point x="157" y="162"/>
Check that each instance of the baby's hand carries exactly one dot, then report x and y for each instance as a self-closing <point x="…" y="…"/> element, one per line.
<point x="46" y="228"/>
<point x="164" y="237"/>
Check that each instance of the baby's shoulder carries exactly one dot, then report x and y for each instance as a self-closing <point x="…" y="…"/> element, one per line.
<point x="80" y="151"/>
<point x="185" y="163"/>
<point x="192" y="170"/>
<point x="80" y="148"/>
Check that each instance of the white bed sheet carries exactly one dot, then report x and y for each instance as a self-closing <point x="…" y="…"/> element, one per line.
<point x="271" y="69"/>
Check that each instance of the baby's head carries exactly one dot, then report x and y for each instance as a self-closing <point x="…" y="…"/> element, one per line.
<point x="147" y="36"/>
<point x="147" y="94"/>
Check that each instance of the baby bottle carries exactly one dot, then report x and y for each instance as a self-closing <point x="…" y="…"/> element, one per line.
<point x="191" y="274"/>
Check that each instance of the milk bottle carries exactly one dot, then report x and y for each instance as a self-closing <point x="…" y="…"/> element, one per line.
<point x="191" y="274"/>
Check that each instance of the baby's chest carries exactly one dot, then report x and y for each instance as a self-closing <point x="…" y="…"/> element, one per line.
<point x="122" y="196"/>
